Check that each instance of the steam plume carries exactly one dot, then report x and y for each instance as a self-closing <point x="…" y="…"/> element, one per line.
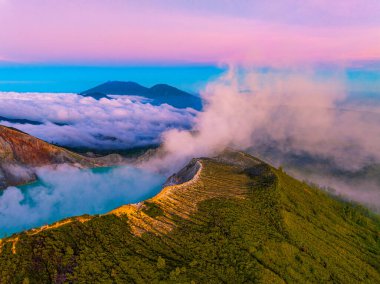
<point x="301" y="112"/>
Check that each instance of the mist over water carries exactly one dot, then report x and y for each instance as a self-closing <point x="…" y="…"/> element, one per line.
<point x="67" y="191"/>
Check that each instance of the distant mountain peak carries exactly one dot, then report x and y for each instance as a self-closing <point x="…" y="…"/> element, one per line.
<point x="167" y="90"/>
<point x="117" y="88"/>
<point x="159" y="93"/>
<point x="163" y="86"/>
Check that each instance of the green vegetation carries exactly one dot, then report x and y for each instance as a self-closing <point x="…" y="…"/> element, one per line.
<point x="269" y="228"/>
<point x="152" y="209"/>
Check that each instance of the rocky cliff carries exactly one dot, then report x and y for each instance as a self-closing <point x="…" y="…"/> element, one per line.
<point x="20" y="153"/>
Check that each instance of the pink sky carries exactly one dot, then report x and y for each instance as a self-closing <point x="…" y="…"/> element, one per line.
<point x="168" y="31"/>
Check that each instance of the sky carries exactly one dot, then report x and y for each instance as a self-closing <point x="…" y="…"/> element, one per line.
<point x="328" y="53"/>
<point x="76" y="79"/>
<point x="254" y="32"/>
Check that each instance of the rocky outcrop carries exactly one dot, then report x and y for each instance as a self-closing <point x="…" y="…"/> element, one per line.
<point x="20" y="153"/>
<point x="184" y="175"/>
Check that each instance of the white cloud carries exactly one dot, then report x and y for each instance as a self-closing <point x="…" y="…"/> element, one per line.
<point x="73" y="120"/>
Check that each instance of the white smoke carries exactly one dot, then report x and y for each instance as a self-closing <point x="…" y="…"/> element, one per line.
<point x="301" y="112"/>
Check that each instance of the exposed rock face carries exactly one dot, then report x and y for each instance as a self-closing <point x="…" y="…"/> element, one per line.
<point x="19" y="147"/>
<point x="20" y="153"/>
<point x="184" y="175"/>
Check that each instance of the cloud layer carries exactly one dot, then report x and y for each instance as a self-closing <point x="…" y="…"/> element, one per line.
<point x="73" y="120"/>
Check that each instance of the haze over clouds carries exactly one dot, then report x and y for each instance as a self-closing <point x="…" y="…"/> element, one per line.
<point x="73" y="120"/>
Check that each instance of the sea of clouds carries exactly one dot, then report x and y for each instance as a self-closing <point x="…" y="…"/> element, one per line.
<point x="77" y="121"/>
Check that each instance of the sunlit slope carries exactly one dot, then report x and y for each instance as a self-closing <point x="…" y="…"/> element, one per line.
<point x="238" y="220"/>
<point x="21" y="152"/>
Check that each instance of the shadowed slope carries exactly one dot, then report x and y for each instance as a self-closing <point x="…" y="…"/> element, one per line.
<point x="238" y="220"/>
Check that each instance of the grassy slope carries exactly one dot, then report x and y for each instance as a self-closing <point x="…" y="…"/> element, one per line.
<point x="268" y="228"/>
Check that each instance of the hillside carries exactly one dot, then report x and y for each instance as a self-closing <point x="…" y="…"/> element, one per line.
<point x="21" y="152"/>
<point x="232" y="219"/>
<point x="159" y="94"/>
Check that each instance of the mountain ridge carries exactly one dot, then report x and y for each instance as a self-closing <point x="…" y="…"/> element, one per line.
<point x="232" y="218"/>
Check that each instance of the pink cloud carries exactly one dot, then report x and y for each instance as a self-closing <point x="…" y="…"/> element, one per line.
<point x="84" y="31"/>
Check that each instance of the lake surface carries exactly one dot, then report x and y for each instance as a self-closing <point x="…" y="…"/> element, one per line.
<point x="68" y="191"/>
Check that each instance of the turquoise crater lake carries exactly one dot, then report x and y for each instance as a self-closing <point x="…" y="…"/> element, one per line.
<point x="68" y="191"/>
